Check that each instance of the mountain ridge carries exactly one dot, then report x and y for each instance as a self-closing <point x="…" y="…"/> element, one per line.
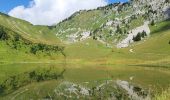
<point x="102" y="24"/>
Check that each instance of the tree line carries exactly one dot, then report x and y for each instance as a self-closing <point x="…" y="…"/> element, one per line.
<point x="17" y="42"/>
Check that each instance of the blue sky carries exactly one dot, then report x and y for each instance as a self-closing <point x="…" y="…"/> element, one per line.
<point x="7" y="5"/>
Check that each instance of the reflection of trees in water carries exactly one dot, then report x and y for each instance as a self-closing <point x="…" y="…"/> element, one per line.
<point x="64" y="66"/>
<point x="62" y="74"/>
<point x="38" y="75"/>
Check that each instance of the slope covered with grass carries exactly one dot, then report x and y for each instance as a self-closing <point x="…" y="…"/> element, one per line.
<point x="30" y="32"/>
<point x="14" y="47"/>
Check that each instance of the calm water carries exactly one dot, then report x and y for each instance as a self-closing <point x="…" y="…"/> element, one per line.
<point x="144" y="76"/>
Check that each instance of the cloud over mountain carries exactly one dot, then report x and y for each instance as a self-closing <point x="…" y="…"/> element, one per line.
<point x="48" y="12"/>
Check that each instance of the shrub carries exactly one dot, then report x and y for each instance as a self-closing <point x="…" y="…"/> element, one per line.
<point x="152" y="22"/>
<point x="94" y="38"/>
<point x="45" y="48"/>
<point x="167" y="1"/>
<point x="138" y="37"/>
<point x="119" y="30"/>
<point x="15" y="41"/>
<point x="143" y="34"/>
<point x="3" y="34"/>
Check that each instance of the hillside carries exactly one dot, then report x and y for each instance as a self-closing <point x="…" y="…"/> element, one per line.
<point x="120" y="51"/>
<point x="117" y="24"/>
<point x="20" y="41"/>
<point x="112" y="24"/>
<point x="35" y="34"/>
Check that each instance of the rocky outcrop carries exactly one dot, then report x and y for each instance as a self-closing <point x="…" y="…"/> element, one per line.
<point x="133" y="33"/>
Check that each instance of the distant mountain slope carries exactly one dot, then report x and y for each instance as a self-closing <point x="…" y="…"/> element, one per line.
<point x="22" y="41"/>
<point x="113" y="23"/>
<point x="36" y="34"/>
<point x="116" y="24"/>
<point x="15" y="47"/>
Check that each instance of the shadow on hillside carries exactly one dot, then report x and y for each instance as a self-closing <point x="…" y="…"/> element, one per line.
<point x="167" y="25"/>
<point x="163" y="28"/>
<point x="4" y="14"/>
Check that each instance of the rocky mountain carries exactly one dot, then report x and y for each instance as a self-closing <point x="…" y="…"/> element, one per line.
<point x="116" y="24"/>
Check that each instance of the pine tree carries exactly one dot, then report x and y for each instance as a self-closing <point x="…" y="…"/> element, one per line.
<point x="143" y="34"/>
<point x="167" y="1"/>
<point x="119" y="30"/>
<point x="152" y="22"/>
<point x="137" y="38"/>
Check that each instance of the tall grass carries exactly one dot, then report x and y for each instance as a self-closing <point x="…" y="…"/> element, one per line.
<point x="163" y="96"/>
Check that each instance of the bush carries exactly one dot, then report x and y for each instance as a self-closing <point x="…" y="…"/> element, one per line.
<point x="143" y="34"/>
<point x="45" y="48"/>
<point x="152" y="22"/>
<point x="3" y="34"/>
<point x="138" y="37"/>
<point x="167" y="1"/>
<point x="15" y="41"/>
<point x="119" y="30"/>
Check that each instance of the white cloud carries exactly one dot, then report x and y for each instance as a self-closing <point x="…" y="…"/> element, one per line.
<point x="48" y="12"/>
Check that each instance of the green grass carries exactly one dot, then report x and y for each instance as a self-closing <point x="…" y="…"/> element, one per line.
<point x="162" y="26"/>
<point x="163" y="96"/>
<point x="88" y="49"/>
<point x="37" y="34"/>
<point x="9" y="55"/>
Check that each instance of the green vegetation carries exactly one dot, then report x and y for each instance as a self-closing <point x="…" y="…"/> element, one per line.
<point x="163" y="26"/>
<point x="17" y="81"/>
<point x="96" y="22"/>
<point x="91" y="60"/>
<point x="139" y="36"/>
<point x="33" y="59"/>
<point x="12" y="41"/>
<point x="46" y="48"/>
<point x="35" y="34"/>
<point x="163" y="96"/>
